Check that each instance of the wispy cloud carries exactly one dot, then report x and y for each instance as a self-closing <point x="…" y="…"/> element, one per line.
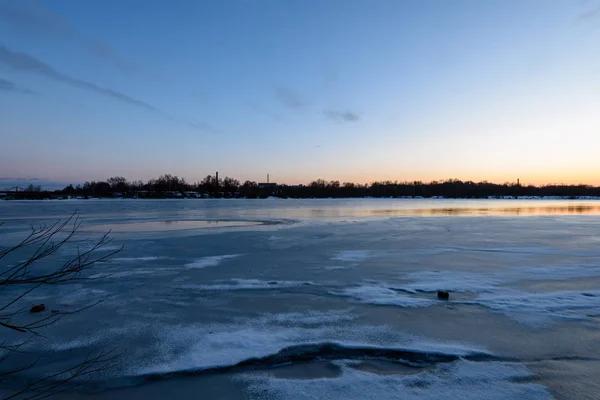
<point x="262" y="111"/>
<point x="341" y="116"/>
<point x="25" y="63"/>
<point x="30" y="17"/>
<point x="592" y="15"/>
<point x="20" y="178"/>
<point x="204" y="126"/>
<point x="289" y="97"/>
<point x="9" y="86"/>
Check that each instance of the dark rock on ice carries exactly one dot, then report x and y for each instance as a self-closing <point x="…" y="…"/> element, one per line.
<point x="38" y="308"/>
<point x="441" y="294"/>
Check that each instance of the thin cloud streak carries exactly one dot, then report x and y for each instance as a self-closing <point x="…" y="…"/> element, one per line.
<point x="204" y="126"/>
<point x="25" y="63"/>
<point x="341" y="116"/>
<point x="289" y="98"/>
<point x="20" y="178"/>
<point x="9" y="86"/>
<point x="262" y="111"/>
<point x="33" y="18"/>
<point x="592" y="15"/>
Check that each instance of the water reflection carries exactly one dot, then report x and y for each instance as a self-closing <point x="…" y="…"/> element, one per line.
<point x="567" y="209"/>
<point x="542" y="210"/>
<point x="209" y="214"/>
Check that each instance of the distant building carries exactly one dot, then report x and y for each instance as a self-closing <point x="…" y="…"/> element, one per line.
<point x="268" y="184"/>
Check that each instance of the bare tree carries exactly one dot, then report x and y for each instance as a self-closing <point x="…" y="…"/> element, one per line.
<point x="27" y="276"/>
<point x="118" y="184"/>
<point x="33" y="188"/>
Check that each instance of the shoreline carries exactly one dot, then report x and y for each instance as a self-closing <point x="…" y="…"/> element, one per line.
<point x="86" y="198"/>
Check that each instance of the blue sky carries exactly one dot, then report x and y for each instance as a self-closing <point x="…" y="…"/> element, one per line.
<point x="335" y="89"/>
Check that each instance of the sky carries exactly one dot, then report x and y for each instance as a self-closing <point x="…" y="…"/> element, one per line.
<point x="348" y="90"/>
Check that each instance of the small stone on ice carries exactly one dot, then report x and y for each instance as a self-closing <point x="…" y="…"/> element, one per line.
<point x="38" y="308"/>
<point x="441" y="294"/>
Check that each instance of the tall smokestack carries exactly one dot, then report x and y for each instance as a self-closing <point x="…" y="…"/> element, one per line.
<point x="217" y="178"/>
<point x="267" y="178"/>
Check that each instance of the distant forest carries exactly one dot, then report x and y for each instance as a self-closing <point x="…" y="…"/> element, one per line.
<point x="171" y="186"/>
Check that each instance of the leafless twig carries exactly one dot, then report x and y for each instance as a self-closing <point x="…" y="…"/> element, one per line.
<point x="42" y="242"/>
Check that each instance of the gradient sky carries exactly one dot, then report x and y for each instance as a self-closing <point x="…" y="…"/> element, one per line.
<point x="301" y="89"/>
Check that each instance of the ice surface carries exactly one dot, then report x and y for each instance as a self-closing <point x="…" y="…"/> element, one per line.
<point x="134" y="272"/>
<point x="552" y="273"/>
<point x="525" y="307"/>
<point x="247" y="284"/>
<point x="543" y="308"/>
<point x="542" y="271"/>
<point x="334" y="267"/>
<point x="353" y="255"/>
<point x="101" y="336"/>
<point x="211" y="261"/>
<point x="79" y="294"/>
<point x="136" y="259"/>
<point x="109" y="248"/>
<point x="308" y="318"/>
<point x="454" y="281"/>
<point x="191" y="347"/>
<point x="382" y="295"/>
<point x="458" y="380"/>
<point x="482" y="282"/>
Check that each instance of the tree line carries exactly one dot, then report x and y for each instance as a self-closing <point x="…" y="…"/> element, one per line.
<point x="213" y="187"/>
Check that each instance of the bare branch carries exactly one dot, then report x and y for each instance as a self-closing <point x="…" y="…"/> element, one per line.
<point x="12" y="349"/>
<point x="70" y="377"/>
<point x="45" y="241"/>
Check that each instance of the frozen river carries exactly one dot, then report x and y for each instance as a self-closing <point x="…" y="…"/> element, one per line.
<point x="322" y="299"/>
